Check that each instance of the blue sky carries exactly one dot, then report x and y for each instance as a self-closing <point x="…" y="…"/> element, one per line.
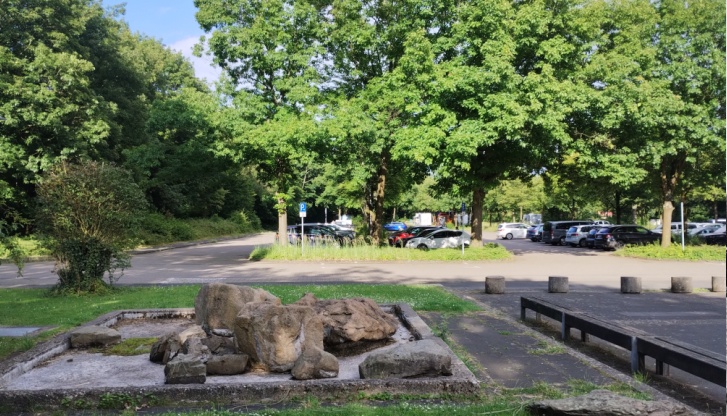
<point x="172" y="22"/>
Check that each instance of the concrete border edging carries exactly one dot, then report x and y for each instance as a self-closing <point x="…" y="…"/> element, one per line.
<point x="462" y="382"/>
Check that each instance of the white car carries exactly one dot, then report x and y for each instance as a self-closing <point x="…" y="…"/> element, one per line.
<point x="440" y="238"/>
<point x="510" y="230"/>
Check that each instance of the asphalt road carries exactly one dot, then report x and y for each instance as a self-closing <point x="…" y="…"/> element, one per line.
<point x="226" y="261"/>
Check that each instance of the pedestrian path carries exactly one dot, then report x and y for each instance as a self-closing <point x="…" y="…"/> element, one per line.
<point x="506" y="352"/>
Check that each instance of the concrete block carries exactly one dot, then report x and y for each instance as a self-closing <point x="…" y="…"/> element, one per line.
<point x="719" y="283"/>
<point x="495" y="285"/>
<point x="557" y="284"/>
<point x="630" y="285"/>
<point x="681" y="284"/>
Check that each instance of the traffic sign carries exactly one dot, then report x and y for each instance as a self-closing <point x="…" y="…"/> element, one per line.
<point x="302" y="210"/>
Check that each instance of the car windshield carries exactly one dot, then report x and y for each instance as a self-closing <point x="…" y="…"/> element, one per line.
<point x="572" y="229"/>
<point x="426" y="233"/>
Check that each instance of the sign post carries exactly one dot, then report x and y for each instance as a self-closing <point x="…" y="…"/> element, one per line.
<point x="302" y="212"/>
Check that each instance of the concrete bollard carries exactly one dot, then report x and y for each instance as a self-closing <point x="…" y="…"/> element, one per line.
<point x="557" y="284"/>
<point x="495" y="285"/>
<point x="681" y="284"/>
<point x="719" y="283"/>
<point x="630" y="284"/>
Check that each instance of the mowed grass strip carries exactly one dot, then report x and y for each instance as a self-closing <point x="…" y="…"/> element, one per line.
<point x="36" y="307"/>
<point x="675" y="252"/>
<point x="370" y="253"/>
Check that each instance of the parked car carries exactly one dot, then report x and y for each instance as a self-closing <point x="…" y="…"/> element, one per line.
<point x="601" y="222"/>
<point x="510" y="230"/>
<point x="399" y="238"/>
<point x="676" y="227"/>
<point x="591" y="235"/>
<point x="316" y="234"/>
<point x="616" y="236"/>
<point x="440" y="238"/>
<point x="395" y="226"/>
<point x="535" y="232"/>
<point x="704" y="228"/>
<point x="716" y="238"/>
<point x="337" y="229"/>
<point x="576" y="235"/>
<point x="554" y="231"/>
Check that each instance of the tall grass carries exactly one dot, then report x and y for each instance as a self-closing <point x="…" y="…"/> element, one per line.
<point x="674" y="252"/>
<point x="360" y="252"/>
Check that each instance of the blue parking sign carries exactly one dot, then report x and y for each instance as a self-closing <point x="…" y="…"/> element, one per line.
<point x="303" y="209"/>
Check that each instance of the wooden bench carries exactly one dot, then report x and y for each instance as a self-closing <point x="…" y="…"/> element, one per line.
<point x="665" y="351"/>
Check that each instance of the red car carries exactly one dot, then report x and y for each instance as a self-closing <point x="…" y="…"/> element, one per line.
<point x="399" y="238"/>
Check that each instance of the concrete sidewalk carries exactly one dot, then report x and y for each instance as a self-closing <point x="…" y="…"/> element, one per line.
<point x="508" y="352"/>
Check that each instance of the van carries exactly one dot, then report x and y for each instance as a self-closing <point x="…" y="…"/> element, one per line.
<point x="554" y="231"/>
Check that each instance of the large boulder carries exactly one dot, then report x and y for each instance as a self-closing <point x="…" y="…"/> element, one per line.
<point x="425" y="358"/>
<point x="352" y="326"/>
<point x="605" y="403"/>
<point x="314" y="363"/>
<point x="217" y="304"/>
<point x="274" y="335"/>
<point x="94" y="336"/>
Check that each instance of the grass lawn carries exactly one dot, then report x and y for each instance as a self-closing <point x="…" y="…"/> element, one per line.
<point x="371" y="253"/>
<point x="674" y="252"/>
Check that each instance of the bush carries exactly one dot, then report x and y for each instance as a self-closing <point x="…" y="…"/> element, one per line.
<point x="88" y="213"/>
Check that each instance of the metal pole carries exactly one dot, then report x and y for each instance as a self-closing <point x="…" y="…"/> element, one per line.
<point x="302" y="236"/>
<point x="683" y="225"/>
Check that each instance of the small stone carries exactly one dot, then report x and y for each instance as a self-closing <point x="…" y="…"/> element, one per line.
<point x="227" y="365"/>
<point x="185" y="369"/>
<point x="94" y="335"/>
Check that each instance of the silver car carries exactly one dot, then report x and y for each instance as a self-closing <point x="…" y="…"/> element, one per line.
<point x="576" y="235"/>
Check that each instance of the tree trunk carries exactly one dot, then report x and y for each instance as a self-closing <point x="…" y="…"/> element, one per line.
<point x="478" y="199"/>
<point x="283" y="222"/>
<point x="666" y="224"/>
<point x="377" y="226"/>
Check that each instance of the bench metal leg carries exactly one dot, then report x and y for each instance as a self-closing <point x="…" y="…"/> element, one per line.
<point x="522" y="313"/>
<point x="661" y="368"/>
<point x="564" y="329"/>
<point x="635" y="359"/>
<point x="584" y="336"/>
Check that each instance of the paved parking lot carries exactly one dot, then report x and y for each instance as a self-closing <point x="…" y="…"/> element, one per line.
<point x="226" y="261"/>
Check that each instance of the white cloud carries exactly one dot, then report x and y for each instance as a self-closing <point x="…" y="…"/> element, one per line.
<point x="203" y="67"/>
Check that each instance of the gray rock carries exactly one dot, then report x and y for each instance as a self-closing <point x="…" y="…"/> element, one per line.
<point x="217" y="304"/>
<point x="315" y="363"/>
<point x="168" y="346"/>
<point x="93" y="336"/>
<point x="185" y="369"/>
<point x="220" y="345"/>
<point x="274" y="336"/>
<point x="605" y="403"/>
<point x="227" y="365"/>
<point x="425" y="358"/>
<point x="352" y="326"/>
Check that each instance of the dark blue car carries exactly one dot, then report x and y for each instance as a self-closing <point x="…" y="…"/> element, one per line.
<point x="395" y="226"/>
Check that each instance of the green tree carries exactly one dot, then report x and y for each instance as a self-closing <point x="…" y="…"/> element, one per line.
<point x="88" y="212"/>
<point x="271" y="51"/>
<point x="660" y="92"/>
